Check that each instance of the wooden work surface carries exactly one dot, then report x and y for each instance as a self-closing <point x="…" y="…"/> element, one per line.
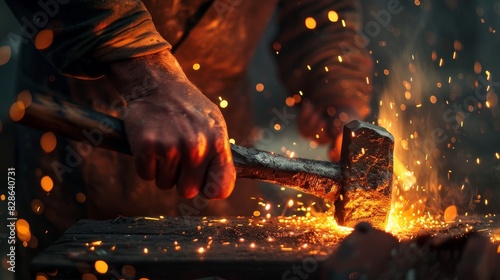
<point x="207" y="247"/>
<point x="169" y="248"/>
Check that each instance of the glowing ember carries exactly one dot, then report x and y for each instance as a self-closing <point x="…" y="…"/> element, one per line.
<point x="450" y="214"/>
<point x="101" y="266"/>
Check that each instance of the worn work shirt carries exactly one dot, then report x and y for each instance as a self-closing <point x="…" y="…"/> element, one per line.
<point x="79" y="36"/>
<point x="318" y="52"/>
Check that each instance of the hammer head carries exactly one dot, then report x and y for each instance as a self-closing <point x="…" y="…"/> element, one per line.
<point x="367" y="170"/>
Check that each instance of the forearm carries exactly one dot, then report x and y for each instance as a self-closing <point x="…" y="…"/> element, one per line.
<point x="79" y="36"/>
<point x="328" y="63"/>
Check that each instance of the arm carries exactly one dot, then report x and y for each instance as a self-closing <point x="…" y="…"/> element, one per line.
<point x="335" y="90"/>
<point x="177" y="136"/>
<point x="80" y="36"/>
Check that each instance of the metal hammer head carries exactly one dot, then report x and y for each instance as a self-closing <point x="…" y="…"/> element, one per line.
<point x="367" y="170"/>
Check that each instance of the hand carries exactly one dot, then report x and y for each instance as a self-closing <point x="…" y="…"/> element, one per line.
<point x="315" y="123"/>
<point x="176" y="134"/>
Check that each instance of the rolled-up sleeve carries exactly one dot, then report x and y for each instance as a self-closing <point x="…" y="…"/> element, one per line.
<point x="79" y="36"/>
<point x="321" y="53"/>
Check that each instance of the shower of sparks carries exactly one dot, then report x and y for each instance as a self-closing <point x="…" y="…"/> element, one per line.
<point x="415" y="205"/>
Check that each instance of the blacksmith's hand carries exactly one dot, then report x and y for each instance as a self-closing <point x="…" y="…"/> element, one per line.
<point x="315" y="123"/>
<point x="178" y="136"/>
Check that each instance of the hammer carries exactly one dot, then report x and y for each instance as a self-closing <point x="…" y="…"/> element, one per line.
<point x="359" y="185"/>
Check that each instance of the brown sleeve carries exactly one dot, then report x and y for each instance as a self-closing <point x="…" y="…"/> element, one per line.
<point x="79" y="36"/>
<point x="340" y="67"/>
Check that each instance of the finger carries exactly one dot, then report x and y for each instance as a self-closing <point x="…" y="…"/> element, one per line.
<point x="145" y="162"/>
<point x="321" y="135"/>
<point x="168" y="169"/>
<point x="335" y="150"/>
<point x="191" y="179"/>
<point x="305" y="119"/>
<point x="194" y="164"/>
<point x="221" y="174"/>
<point x="310" y="126"/>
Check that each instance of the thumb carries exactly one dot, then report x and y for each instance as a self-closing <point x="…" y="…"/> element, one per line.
<point x="335" y="149"/>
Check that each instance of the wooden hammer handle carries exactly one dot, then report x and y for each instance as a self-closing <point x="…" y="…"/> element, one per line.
<point x="78" y="123"/>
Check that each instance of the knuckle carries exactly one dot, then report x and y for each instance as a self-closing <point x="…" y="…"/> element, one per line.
<point x="187" y="191"/>
<point x="148" y="139"/>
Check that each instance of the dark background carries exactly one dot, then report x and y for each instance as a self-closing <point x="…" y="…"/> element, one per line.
<point x="420" y="29"/>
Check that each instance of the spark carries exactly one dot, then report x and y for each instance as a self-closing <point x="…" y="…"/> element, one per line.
<point x="101" y="266"/>
<point x="333" y="16"/>
<point x="310" y="23"/>
<point x="5" y="54"/>
<point x="223" y="104"/>
<point x="259" y="87"/>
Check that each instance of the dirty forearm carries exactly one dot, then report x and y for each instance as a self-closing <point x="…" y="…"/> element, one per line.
<point x="79" y="36"/>
<point x="339" y="64"/>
